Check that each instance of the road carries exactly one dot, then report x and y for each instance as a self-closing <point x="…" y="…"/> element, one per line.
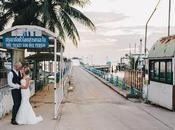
<point x="94" y="106"/>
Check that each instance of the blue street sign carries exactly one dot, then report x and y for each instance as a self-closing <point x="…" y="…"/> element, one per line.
<point x="25" y="42"/>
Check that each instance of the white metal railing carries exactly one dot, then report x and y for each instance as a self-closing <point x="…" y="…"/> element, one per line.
<point x="59" y="90"/>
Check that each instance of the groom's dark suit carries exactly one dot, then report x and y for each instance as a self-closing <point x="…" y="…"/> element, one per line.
<point x="16" y="94"/>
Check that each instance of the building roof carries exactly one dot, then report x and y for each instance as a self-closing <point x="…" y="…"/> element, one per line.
<point x="163" y="48"/>
<point x="44" y="31"/>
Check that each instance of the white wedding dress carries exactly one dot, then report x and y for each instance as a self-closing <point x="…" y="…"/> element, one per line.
<point x="25" y="113"/>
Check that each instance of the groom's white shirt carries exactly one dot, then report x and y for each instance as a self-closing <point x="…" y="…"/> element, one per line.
<point x="10" y="80"/>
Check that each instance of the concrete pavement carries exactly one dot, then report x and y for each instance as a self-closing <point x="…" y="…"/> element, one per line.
<point x="94" y="106"/>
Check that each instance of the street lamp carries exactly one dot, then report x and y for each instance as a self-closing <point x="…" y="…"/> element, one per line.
<point x="147" y="25"/>
<point x="169" y="15"/>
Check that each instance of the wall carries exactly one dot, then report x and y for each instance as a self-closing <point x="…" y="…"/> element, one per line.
<point x="161" y="94"/>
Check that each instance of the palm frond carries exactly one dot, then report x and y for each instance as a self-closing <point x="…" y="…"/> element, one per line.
<point x="56" y="15"/>
<point x="5" y="18"/>
<point x="26" y="15"/>
<point x="137" y="62"/>
<point x="79" y="16"/>
<point x="44" y="10"/>
<point x="69" y="27"/>
<point x="80" y="3"/>
<point x="17" y="5"/>
<point x="133" y="62"/>
<point x="57" y="22"/>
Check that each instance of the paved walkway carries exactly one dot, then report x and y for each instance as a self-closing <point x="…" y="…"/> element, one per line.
<point x="94" y="106"/>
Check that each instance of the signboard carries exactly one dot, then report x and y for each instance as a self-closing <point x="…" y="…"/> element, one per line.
<point x="25" y="42"/>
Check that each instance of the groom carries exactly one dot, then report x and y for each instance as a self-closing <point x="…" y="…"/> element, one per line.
<point x="14" y="78"/>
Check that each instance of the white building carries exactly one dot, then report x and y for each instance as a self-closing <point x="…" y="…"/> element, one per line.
<point x="161" y="84"/>
<point x="75" y="61"/>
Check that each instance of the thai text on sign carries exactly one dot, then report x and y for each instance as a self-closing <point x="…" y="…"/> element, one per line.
<point x="25" y="42"/>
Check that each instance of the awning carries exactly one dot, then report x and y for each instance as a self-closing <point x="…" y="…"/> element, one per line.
<point x="43" y="57"/>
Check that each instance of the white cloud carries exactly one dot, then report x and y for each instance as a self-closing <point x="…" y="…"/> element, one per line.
<point x="120" y="23"/>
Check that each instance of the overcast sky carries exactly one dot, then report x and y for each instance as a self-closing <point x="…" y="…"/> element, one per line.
<point x="120" y="23"/>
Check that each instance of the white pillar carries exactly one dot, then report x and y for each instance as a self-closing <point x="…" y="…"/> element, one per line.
<point x="18" y="55"/>
<point x="55" y="83"/>
<point x="61" y="69"/>
<point x="173" y="69"/>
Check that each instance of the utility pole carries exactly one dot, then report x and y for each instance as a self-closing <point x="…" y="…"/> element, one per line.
<point x="169" y="17"/>
<point x="146" y="27"/>
<point x="130" y="49"/>
<point x="140" y="46"/>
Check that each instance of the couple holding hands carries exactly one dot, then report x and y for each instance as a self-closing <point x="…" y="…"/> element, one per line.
<point x="19" y="82"/>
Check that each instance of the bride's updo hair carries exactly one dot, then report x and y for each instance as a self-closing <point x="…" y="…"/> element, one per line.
<point x="26" y="70"/>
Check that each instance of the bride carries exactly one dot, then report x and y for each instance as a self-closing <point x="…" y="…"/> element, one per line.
<point x="25" y="113"/>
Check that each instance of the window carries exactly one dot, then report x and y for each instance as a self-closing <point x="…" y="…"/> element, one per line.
<point x="152" y="69"/>
<point x="161" y="71"/>
<point x="169" y="73"/>
<point x="156" y="70"/>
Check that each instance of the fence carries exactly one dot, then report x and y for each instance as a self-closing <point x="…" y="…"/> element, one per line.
<point x="63" y="77"/>
<point x="134" y="78"/>
<point x="132" y="81"/>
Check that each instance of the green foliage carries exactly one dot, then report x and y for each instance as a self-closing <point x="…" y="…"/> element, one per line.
<point x="55" y="15"/>
<point x="133" y="62"/>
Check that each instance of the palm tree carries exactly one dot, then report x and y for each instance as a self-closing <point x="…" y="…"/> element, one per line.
<point x="133" y="62"/>
<point x="55" y="15"/>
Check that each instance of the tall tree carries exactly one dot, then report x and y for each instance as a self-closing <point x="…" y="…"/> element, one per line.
<point x="55" y="15"/>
